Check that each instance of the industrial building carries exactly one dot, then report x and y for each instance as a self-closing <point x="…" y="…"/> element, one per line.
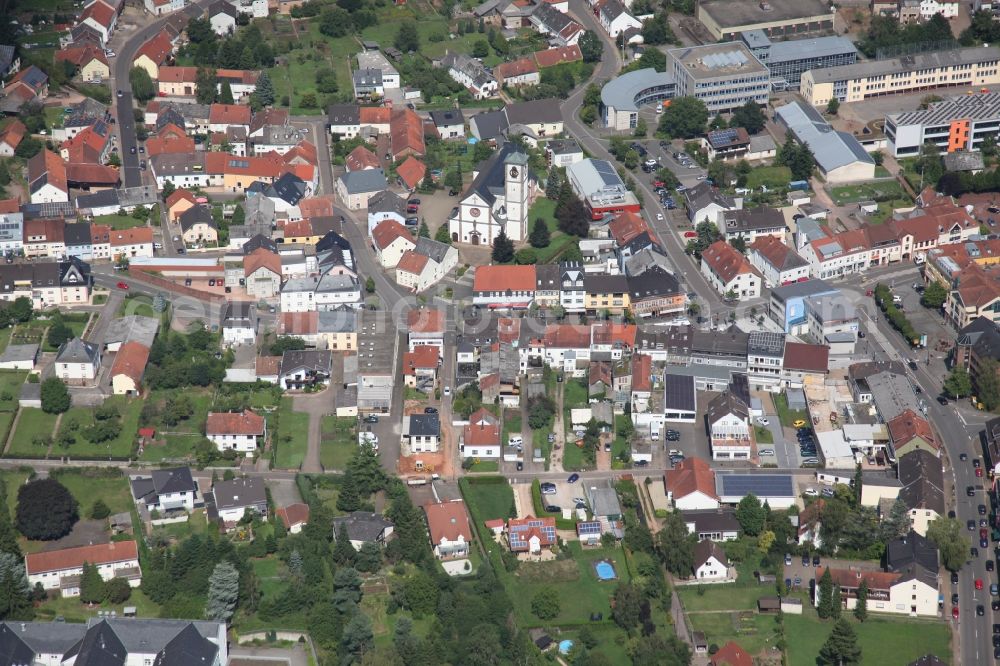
<point x="723" y="76"/>
<point x="840" y="157"/>
<point x="953" y="125"/>
<point x="968" y="67"/>
<point x="622" y="96"/>
<point x="788" y="60"/>
<point x="726" y="19"/>
<point x="598" y="184"/>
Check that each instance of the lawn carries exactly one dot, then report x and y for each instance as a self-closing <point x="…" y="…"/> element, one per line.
<point x="338" y="443"/>
<point x="76" y="322"/>
<point x="883" y="189"/>
<point x="196" y="523"/>
<point x="491" y="466"/>
<point x="292" y="437"/>
<point x="175" y="447"/>
<point x="488" y="497"/>
<point x="78" y="419"/>
<point x="883" y="640"/>
<point x="773" y="177"/>
<point x="788" y="416"/>
<point x="575" y="396"/>
<point x="138" y="305"/>
<point x="33" y="423"/>
<point x="120" y="221"/>
<point x="10" y="388"/>
<point x="5" y="338"/>
<point x="294" y="78"/>
<point x="511" y="424"/>
<point x="13" y="479"/>
<point x="90" y="484"/>
<point x="558" y="244"/>
<point x="73" y="610"/>
<point x="763" y="435"/>
<point x="434" y="39"/>
<point x="201" y="403"/>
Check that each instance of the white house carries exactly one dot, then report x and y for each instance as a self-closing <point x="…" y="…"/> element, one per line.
<point x="615" y="19"/>
<point x="704" y="203"/>
<point x="728" y="270"/>
<point x="243" y="432"/>
<point x="481" y="437"/>
<point x="710" y="562"/>
<point x="778" y="263"/>
<point x="729" y="424"/>
<point x="391" y="240"/>
<point x="166" y="489"/>
<point x="222" y="16"/>
<point x="239" y="323"/>
<point x="61" y="569"/>
<point x="946" y="8"/>
<point x="78" y="362"/>
<point x="449" y="529"/>
<point x="471" y="74"/>
<point x="691" y="485"/>
<point x="423" y="433"/>
<point x="235" y="497"/>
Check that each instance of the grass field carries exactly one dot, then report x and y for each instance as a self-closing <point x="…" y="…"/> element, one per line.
<point x="575" y="397"/>
<point x="10" y="388"/>
<point x="773" y="177"/>
<point x="292" y="437"/>
<point x="76" y="322"/>
<point x="119" y="221"/>
<point x="338" y="442"/>
<point x="5" y="338"/>
<point x="90" y="485"/>
<point x="882" y="640"/>
<point x="78" y="419"/>
<point x="847" y="194"/>
<point x="73" y="610"/>
<point x="176" y="447"/>
<point x="32" y="423"/>
<point x="487" y="499"/>
<point x="763" y="435"/>
<point x="201" y="402"/>
<point x="138" y="305"/>
<point x="788" y="416"/>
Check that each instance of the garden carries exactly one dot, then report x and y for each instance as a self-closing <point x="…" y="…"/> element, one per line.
<point x="33" y="435"/>
<point x="290" y="439"/>
<point x="888" y="190"/>
<point x="575" y="396"/>
<point x="109" y="431"/>
<point x="338" y="442"/>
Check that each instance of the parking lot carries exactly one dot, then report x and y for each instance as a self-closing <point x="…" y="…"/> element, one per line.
<point x="566" y="495"/>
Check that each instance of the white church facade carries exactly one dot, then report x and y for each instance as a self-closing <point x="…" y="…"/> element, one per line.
<point x="499" y="197"/>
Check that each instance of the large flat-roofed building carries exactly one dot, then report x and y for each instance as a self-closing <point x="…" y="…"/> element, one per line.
<point x="723" y="76"/>
<point x="953" y="125"/>
<point x="840" y="157"/>
<point x="600" y="187"/>
<point x="622" y="96"/>
<point x="788" y="60"/>
<point x="973" y="66"/>
<point x="725" y="19"/>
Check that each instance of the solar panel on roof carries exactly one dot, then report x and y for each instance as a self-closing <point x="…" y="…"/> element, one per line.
<point x="761" y="485"/>
<point x="589" y="528"/>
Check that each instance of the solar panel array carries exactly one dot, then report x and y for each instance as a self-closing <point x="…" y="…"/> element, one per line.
<point x="588" y="527"/>
<point x="607" y="172"/>
<point x="519" y="534"/>
<point x="761" y="485"/>
<point x="725" y="59"/>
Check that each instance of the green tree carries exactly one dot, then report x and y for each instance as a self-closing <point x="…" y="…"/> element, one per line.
<point x="334" y="22"/>
<point x="223" y="592"/>
<point x="118" y="590"/>
<point x="370" y="284"/>
<point x="934" y="295"/>
<point x="99" y="510"/>
<point x="263" y="95"/>
<point x="15" y="592"/>
<point x="591" y="47"/>
<point x="878" y="157"/>
<point x="947" y="535"/>
<point x="751" y="515"/>
<point x="346" y="589"/>
<point x="685" y="118"/>
<point x="545" y="604"/>
<point x="343" y="551"/>
<point x="226" y="93"/>
<point x="480" y="48"/>
<point x="58" y="332"/>
<point x="55" y="396"/>
<point x="92" y="588"/>
<point x="553" y="185"/>
<point x="675" y="545"/>
<point x="503" y="248"/>
<point x="205" y="85"/>
<point x="841" y="648"/>
<point x="453" y="179"/>
<point x="442" y="235"/>
<point x="824" y="608"/>
<point x="958" y="383"/>
<point x="46" y="510"/>
<point x="348" y="499"/>
<point x="750" y="117"/>
<point x="861" y="610"/>
<point x="358" y="638"/>
<point x="833" y="106"/>
<point x="369" y="558"/>
<point x="540" y="236"/>
<point x="988" y="384"/>
<point x="142" y="86"/>
<point x="897" y="524"/>
<point x="366" y="470"/>
<point x="407" y="37"/>
<point x="627" y="610"/>
<point x="424" y="231"/>
<point x="526" y="256"/>
<point x="168" y="189"/>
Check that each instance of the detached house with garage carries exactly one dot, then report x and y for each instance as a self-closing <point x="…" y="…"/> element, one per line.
<point x="166" y="490"/>
<point x="243" y="432"/>
<point x="78" y="362"/>
<point x="230" y="500"/>
<point x="690" y="485"/>
<point x="449" y="528"/>
<point x="710" y="562"/>
<point x="363" y="527"/>
<point x="481" y="437"/>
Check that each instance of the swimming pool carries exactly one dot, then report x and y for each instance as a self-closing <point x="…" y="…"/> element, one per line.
<point x="605" y="570"/>
<point x="565" y="646"/>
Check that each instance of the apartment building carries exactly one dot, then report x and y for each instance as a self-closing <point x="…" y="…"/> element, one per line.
<point x="959" y="123"/>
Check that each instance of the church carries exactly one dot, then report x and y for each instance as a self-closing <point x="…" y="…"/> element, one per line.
<point x="499" y="198"/>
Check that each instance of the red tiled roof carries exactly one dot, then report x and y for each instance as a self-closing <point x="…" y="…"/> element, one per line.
<point x="73" y="558"/>
<point x="294" y="514"/>
<point x="259" y="166"/>
<point x="411" y="171"/>
<point x="229" y="114"/>
<point x="298" y="323"/>
<point x="731" y="654"/>
<point x="425" y="320"/>
<point x="412" y="263"/>
<point x="558" y="55"/>
<point x="298" y="229"/>
<point x="642" y="372"/>
<point x="81" y="55"/>
<point x="515" y="68"/>
<point x="447" y="521"/>
<point x="303" y="151"/>
<point x="9" y="206"/>
<point x="130" y="360"/>
<point x="91" y="174"/>
<point x="481" y="434"/>
<point x="374" y="115"/>
<point x="157" y="49"/>
<point x="626" y="226"/>
<point x="406" y="133"/>
<point x="267" y="365"/>
<point x="423" y="357"/>
<point x="907" y="426"/>
<point x="47" y="163"/>
<point x="87" y="146"/>
<point x="13" y="133"/>
<point x="600" y="372"/>
<point x="234" y="423"/>
<point x="526" y="530"/>
<point x="508" y="329"/>
<point x="610" y="333"/>
<point x="726" y="261"/>
<point x="100" y="233"/>
<point x="261" y="258"/>
<point x="321" y="206"/>
<point x="810" y="358"/>
<point x="361" y="158"/>
<point x="169" y="143"/>
<point x="689" y="476"/>
<point x="178" y="195"/>
<point x="772" y="250"/>
<point x="102" y="13"/>
<point x="504" y="278"/>
<point x="52" y="229"/>
<point x="388" y="231"/>
<point x="133" y="236"/>
<point x="177" y="74"/>
<point x="566" y="336"/>
<point x="977" y="287"/>
<point x="877" y="580"/>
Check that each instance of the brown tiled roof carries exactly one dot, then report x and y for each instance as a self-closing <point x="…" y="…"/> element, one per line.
<point x="81" y="55"/>
<point x="411" y="171"/>
<point x="412" y="263"/>
<point x="91" y="174"/>
<point x="776" y="253"/>
<point x="877" y="580"/>
<point x="157" y="49"/>
<point x="508" y="329"/>
<point x="567" y="336"/>
<point x="626" y="226"/>
<point x="102" y="13"/>
<point x="726" y="261"/>
<point x="72" y="558"/>
<point x="600" y="371"/>
<point x="234" y="423"/>
<point x="422" y="357"/>
<point x="406" y="132"/>
<point x="267" y="365"/>
<point x="907" y="426"/>
<point x="689" y="476"/>
<point x="705" y="549"/>
<point x="642" y="372"/>
<point x="425" y="320"/>
<point x="731" y="654"/>
<point x="229" y="114"/>
<point x="298" y="229"/>
<point x="361" y="158"/>
<point x="13" y="133"/>
<point x="515" y="68"/>
<point x="503" y="278"/>
<point x="374" y="115"/>
<point x="477" y="434"/>
<point x="178" y="195"/>
<point x="298" y="323"/>
<point x="448" y="520"/>
<point x="130" y="360"/>
<point x="261" y="258"/>
<point x="811" y="358"/>
<point x="9" y="206"/>
<point x="52" y="229"/>
<point x="47" y="163"/>
<point x="133" y="236"/>
<point x="558" y="55"/>
<point x="177" y="74"/>
<point x="388" y="231"/>
<point x="268" y="116"/>
<point x="321" y="206"/>
<point x="294" y="514"/>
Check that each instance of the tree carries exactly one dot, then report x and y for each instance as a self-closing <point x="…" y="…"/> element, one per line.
<point x="545" y="604"/>
<point x="934" y="295"/>
<point x="553" y="185"/>
<point x="29" y="147"/>
<point x="348" y="499"/>
<point x="205" y="85"/>
<point x="223" y="592"/>
<point x="540" y="236"/>
<point x="749" y="117"/>
<point x="45" y="510"/>
<point x="263" y="95"/>
<point x="226" y="93"/>
<point x="878" y="157"/>
<point x="751" y="515"/>
<point x="503" y="248"/>
<point x="946" y="534"/>
<point x="442" y="235"/>
<point x="825" y="591"/>
<point x="958" y="383"/>
<point x="833" y="106"/>
<point x="357" y="637"/>
<point x="739" y="243"/>
<point x="480" y="48"/>
<point x="453" y="179"/>
<point x="15" y="592"/>
<point x="675" y="545"/>
<point x="99" y="510"/>
<point x="424" y="231"/>
<point x="55" y="396"/>
<point x="897" y="524"/>
<point x="92" y="588"/>
<point x="841" y="648"/>
<point x="168" y="186"/>
<point x="370" y="285"/>
<point x="627" y="611"/>
<point x="861" y="610"/>
<point x="656" y="31"/>
<point x="571" y="214"/>
<point x="58" y="332"/>
<point x="118" y="590"/>
<point x="662" y="649"/>
<point x="685" y="118"/>
<point x="369" y="558"/>
<point x="526" y="256"/>
<point x="334" y="22"/>
<point x="407" y="37"/>
<point x="346" y="588"/>
<point x="988" y="384"/>
<point x="142" y="86"/>
<point x="590" y="46"/>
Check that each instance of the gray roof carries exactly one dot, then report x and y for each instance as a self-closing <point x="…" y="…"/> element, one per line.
<point x="163" y="481"/>
<point x="563" y="147"/>
<point x="832" y="149"/>
<point x="892" y="394"/>
<point x="240" y="492"/>
<point x="238" y="314"/>
<point x="343" y="320"/>
<point x="802" y="290"/>
<point x="361" y="525"/>
<point x="319" y="360"/>
<point x="735" y="13"/>
<point x="724" y="404"/>
<point x="752" y="219"/>
<point x="78" y="350"/>
<point x="432" y="249"/>
<point x="367" y="78"/>
<point x="623" y="91"/>
<point x="984" y="106"/>
<point x="387" y="201"/>
<point x="922" y="477"/>
<point x="703" y="195"/>
<point x="447" y="117"/>
<point x="766" y="343"/>
<point x="712" y="520"/>
<point x="705" y="549"/>
<point x="132" y="328"/>
<point x="732" y="342"/>
<point x="801" y="49"/>
<point x="489" y="182"/>
<point x="761" y="485"/>
<point x="907" y="63"/>
<point x="289" y="188"/>
<point x="343" y="114"/>
<point x="19" y="353"/>
<point x="188" y="646"/>
<point x="196" y="215"/>
<point x="603" y="501"/>
<point x="424" y="425"/>
<point x="489" y="125"/>
<point x="963" y="161"/>
<point x="654" y="281"/>
<point x="831" y="308"/>
<point x="533" y="112"/>
<point x="76" y="235"/>
<point x="714" y="61"/>
<point x="368" y="180"/>
<point x="6" y="57"/>
<point x="468" y="66"/>
<point x="679" y="392"/>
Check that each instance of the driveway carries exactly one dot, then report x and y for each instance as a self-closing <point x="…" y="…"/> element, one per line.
<point x="284" y="492"/>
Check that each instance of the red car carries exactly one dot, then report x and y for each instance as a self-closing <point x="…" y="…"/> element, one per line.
<point x="979" y="471"/>
<point x="123" y="285"/>
<point x="979" y="583"/>
<point x="690" y="234"/>
<point x="983" y="534"/>
<point x="868" y="293"/>
<point x="954" y="612"/>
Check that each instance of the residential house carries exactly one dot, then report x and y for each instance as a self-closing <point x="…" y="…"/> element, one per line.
<point x="360" y="159"/>
<point x="517" y="73"/>
<point x="102" y="17"/>
<point x="558" y="55"/>
<point x="357" y="187"/>
<point x="294" y="516"/>
<point x="704" y="203"/>
<point x="406" y="134"/>
<point x="198" y="227"/>
<point x="425" y="326"/>
<point x="420" y="367"/>
<point x="231" y="500"/>
<point x="423" y="431"/>
<point x="777" y="263"/>
<point x="729" y="271"/>
<point x="47" y="182"/>
<point x="509" y="286"/>
<point x="713" y="524"/>
<point x="243" y="432"/>
<point x="690" y="485"/>
<point x="239" y="323"/>
<point x="61" y="569"/>
<point x="166" y="490"/>
<point x="557" y="26"/>
<point x="731" y="436"/>
<point x="731" y="654"/>
<point x="710" y="562"/>
<point x="391" y="240"/>
<point x="426" y="265"/>
<point x="262" y="273"/>
<point x="385" y="205"/>
<point x="563" y="152"/>
<point x="530" y="534"/>
<point x="363" y="527"/>
<point x="481" y="436"/>
<point x="302" y="368"/>
<point x="78" y="362"/>
<point x="471" y="74"/>
<point x="540" y="117"/>
<point x="751" y="224"/>
<point x="615" y="18"/>
<point x="449" y="123"/>
<point x="449" y="529"/>
<point x="922" y="476"/>
<point x="913" y="592"/>
<point x="154" y="53"/>
<point x="90" y="61"/>
<point x="129" y="368"/>
<point x="656" y="293"/>
<point x="222" y="16"/>
<point x="910" y="432"/>
<point x="606" y="293"/>
<point x="11" y="136"/>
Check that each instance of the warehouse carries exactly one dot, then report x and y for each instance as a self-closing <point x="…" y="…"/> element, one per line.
<point x="839" y="156"/>
<point x="723" y="76"/>
<point x="726" y="19"/>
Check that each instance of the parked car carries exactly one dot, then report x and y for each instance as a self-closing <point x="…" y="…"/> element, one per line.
<point x="371" y="418"/>
<point x="811" y="492"/>
<point x="763" y="421"/>
<point x="520" y="466"/>
<point x="553" y="508"/>
<point x="573" y="478"/>
<point x="430" y="410"/>
<point x="766" y="452"/>
<point x="970" y="525"/>
<point x="123" y="285"/>
<point x="982" y="509"/>
<point x="548" y="488"/>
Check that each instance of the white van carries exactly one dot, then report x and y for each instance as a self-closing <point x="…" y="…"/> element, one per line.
<point x="654" y="431"/>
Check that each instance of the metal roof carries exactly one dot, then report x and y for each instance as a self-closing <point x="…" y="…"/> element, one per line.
<point x="805" y="49"/>
<point x="985" y="106"/>
<point x="832" y="149"/>
<point x="908" y="63"/>
<point x="622" y="92"/>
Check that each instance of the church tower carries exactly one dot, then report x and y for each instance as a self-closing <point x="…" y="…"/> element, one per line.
<point x="516" y="195"/>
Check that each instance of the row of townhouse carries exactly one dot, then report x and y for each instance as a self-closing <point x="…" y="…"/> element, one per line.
<point x="183" y="81"/>
<point x="229" y="173"/>
<point x="54" y="238"/>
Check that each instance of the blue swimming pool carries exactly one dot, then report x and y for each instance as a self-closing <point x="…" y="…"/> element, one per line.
<point x="565" y="646"/>
<point x="605" y="570"/>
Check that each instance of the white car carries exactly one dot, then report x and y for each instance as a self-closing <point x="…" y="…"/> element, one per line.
<point x="762" y="421"/>
<point x="659" y="217"/>
<point x="766" y="452"/>
<point x="447" y="390"/>
<point x="811" y="492"/>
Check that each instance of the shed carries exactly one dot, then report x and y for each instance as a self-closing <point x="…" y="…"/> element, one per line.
<point x="796" y="398"/>
<point x="31" y="395"/>
<point x="791" y="605"/>
<point x="768" y="604"/>
<point x="763" y="578"/>
<point x="121" y="523"/>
